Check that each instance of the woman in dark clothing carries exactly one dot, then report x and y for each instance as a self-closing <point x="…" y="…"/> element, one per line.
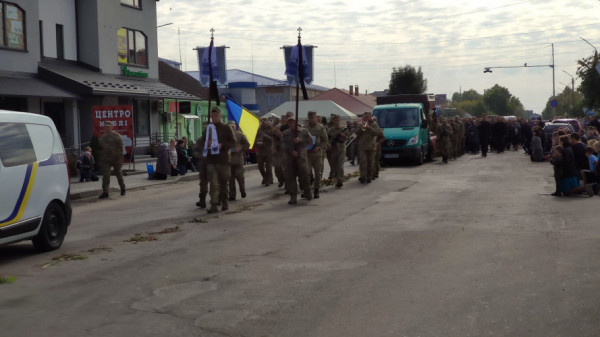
<point x="182" y="159"/>
<point x="163" y="164"/>
<point x="569" y="183"/>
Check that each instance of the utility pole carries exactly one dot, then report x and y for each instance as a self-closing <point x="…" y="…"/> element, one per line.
<point x="553" y="83"/>
<point x="179" y="38"/>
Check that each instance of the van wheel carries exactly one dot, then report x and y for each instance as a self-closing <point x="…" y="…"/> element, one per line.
<point x="53" y="229"/>
<point x="419" y="159"/>
<point x="429" y="156"/>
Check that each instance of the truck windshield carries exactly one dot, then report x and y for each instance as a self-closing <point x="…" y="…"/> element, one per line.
<point x="397" y="117"/>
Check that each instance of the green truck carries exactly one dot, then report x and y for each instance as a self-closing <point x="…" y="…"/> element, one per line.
<point x="403" y="119"/>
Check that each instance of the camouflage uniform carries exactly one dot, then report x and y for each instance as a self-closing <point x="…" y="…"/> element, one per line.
<point x="367" y="147"/>
<point x="218" y="167"/>
<point x="444" y="134"/>
<point x="337" y="136"/>
<point x="112" y="156"/>
<point x="202" y="172"/>
<point x="315" y="155"/>
<point x="296" y="166"/>
<point x="264" y="156"/>
<point x="237" y="164"/>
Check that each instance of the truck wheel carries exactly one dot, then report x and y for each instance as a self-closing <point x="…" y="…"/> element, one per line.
<point x="53" y="229"/>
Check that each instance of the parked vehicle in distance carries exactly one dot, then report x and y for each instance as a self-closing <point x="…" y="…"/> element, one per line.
<point x="403" y="119"/>
<point x="34" y="181"/>
<point x="572" y="121"/>
<point x="551" y="127"/>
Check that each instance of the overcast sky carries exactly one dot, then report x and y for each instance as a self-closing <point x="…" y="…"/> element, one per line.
<point x="359" y="42"/>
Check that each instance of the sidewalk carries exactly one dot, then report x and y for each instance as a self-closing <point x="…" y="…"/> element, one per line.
<point x="132" y="182"/>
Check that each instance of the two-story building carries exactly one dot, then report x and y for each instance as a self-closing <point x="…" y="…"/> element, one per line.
<point x="82" y="54"/>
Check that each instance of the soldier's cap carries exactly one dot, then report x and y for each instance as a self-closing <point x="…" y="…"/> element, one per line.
<point x="289" y="113"/>
<point x="334" y="116"/>
<point x="231" y="123"/>
<point x="367" y="114"/>
<point x="264" y="119"/>
<point x="215" y="109"/>
<point x="291" y="118"/>
<point x="312" y="113"/>
<point x="109" y="123"/>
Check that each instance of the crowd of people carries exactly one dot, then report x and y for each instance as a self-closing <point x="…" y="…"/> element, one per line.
<point x="291" y="153"/>
<point x="573" y="155"/>
<point x="295" y="154"/>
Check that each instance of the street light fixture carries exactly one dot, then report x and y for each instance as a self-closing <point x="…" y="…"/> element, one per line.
<point x="166" y="24"/>
<point x="572" y="89"/>
<point x="489" y="70"/>
<point x="588" y="42"/>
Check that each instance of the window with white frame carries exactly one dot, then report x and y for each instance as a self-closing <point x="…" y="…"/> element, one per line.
<point x="12" y="26"/>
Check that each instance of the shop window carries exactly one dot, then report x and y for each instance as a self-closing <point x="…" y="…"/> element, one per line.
<point x="132" y="47"/>
<point x="12" y="26"/>
<point x="132" y="3"/>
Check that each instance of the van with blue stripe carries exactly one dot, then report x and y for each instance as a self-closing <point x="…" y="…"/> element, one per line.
<point x="34" y="181"/>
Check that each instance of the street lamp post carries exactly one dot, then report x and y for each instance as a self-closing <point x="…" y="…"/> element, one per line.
<point x="572" y="91"/>
<point x="489" y="70"/>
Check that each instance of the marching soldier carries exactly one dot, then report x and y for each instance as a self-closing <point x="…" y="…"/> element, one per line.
<point x="201" y="166"/>
<point x="112" y="156"/>
<point x="278" y="154"/>
<point x="444" y="133"/>
<point x="218" y="139"/>
<point x="338" y="136"/>
<point x="237" y="162"/>
<point x="379" y="141"/>
<point x="315" y="152"/>
<point x="367" y="133"/>
<point x="293" y="143"/>
<point x="264" y="147"/>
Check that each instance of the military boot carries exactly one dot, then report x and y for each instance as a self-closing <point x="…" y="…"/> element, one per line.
<point x="225" y="205"/>
<point x="202" y="202"/>
<point x="213" y="209"/>
<point x="293" y="200"/>
<point x="316" y="194"/>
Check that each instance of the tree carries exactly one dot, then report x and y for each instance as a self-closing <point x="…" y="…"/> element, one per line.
<point x="469" y="95"/>
<point x="407" y="80"/>
<point x="570" y="104"/>
<point x="501" y="102"/>
<point x="590" y="81"/>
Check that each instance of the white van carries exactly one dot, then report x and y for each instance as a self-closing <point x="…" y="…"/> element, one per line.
<point x="34" y="181"/>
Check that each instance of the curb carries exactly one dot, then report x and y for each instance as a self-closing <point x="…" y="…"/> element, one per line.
<point x="188" y="177"/>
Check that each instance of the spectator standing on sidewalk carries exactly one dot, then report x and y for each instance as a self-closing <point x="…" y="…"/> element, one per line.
<point x="111" y="144"/>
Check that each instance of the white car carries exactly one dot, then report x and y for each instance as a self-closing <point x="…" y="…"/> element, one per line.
<point x="34" y="181"/>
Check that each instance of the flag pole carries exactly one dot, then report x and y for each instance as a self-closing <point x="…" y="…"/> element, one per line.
<point x="299" y="77"/>
<point x="210" y="72"/>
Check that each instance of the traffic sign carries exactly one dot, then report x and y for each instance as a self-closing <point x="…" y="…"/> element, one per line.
<point x="554" y="103"/>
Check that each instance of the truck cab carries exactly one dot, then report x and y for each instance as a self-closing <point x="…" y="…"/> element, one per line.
<point x="405" y="127"/>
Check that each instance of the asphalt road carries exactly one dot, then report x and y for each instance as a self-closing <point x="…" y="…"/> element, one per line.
<point x="476" y="247"/>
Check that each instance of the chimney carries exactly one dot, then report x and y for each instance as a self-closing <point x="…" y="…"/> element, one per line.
<point x="350" y="90"/>
<point x="356" y="90"/>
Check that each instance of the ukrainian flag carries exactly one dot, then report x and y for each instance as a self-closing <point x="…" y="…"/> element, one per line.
<point x="246" y="120"/>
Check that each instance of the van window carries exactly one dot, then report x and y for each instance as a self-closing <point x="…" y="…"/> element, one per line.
<point x="397" y="117"/>
<point x="15" y="145"/>
<point x="42" y="139"/>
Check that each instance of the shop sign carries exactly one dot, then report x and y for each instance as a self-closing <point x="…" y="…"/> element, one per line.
<point x="129" y="73"/>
